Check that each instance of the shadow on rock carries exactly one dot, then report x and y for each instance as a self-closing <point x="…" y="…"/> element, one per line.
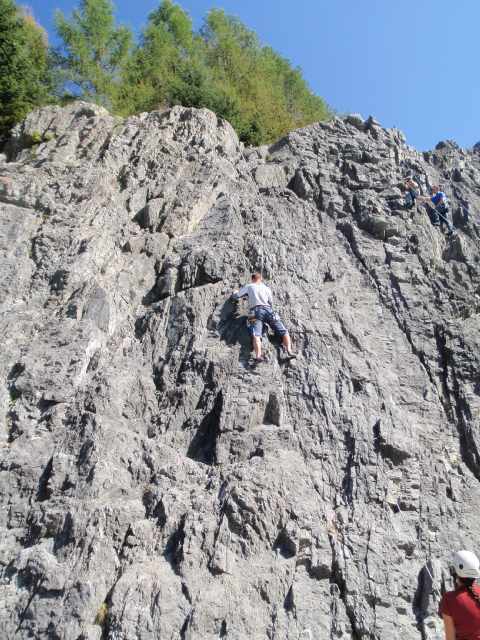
<point x="426" y="599"/>
<point x="232" y="327"/>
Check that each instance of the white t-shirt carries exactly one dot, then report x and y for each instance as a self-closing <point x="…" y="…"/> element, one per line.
<point x="258" y="294"/>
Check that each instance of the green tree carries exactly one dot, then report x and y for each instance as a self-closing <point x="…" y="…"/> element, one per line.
<point x="154" y="72"/>
<point x="222" y="67"/>
<point x="25" y="81"/>
<point x="94" y="50"/>
<point x="268" y="96"/>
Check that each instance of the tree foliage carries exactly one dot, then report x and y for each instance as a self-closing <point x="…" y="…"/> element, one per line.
<point x="25" y="80"/>
<point x="94" y="50"/>
<point x="153" y="73"/>
<point x="222" y="67"/>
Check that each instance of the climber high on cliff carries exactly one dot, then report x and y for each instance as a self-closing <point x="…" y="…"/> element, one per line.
<point x="438" y="209"/>
<point x="261" y="312"/>
<point x="412" y="193"/>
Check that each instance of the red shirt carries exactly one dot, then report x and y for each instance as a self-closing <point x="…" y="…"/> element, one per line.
<point x="465" y="612"/>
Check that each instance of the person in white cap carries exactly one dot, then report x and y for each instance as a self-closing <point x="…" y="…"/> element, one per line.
<point x="460" y="609"/>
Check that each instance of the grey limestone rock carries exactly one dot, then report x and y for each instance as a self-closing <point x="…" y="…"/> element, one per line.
<point x="154" y="485"/>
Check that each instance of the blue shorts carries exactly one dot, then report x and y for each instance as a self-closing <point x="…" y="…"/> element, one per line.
<point x="265" y="317"/>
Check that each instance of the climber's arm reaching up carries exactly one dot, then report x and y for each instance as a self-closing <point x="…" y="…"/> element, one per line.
<point x="241" y="293"/>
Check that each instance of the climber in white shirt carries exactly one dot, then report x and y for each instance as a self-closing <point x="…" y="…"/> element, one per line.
<point x="261" y="312"/>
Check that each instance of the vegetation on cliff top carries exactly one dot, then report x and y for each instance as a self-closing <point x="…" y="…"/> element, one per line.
<point x="222" y="67"/>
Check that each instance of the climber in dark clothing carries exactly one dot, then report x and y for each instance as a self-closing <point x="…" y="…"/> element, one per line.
<point x="438" y="209"/>
<point x="412" y="193"/>
<point x="460" y="609"/>
<point x="261" y="314"/>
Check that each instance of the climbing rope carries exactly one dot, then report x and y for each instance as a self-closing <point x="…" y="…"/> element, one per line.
<point x="263" y="250"/>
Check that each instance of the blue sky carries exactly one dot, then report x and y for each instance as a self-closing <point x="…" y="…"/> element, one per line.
<point x="412" y="64"/>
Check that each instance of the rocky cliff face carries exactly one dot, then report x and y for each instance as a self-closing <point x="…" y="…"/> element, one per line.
<point x="154" y="485"/>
